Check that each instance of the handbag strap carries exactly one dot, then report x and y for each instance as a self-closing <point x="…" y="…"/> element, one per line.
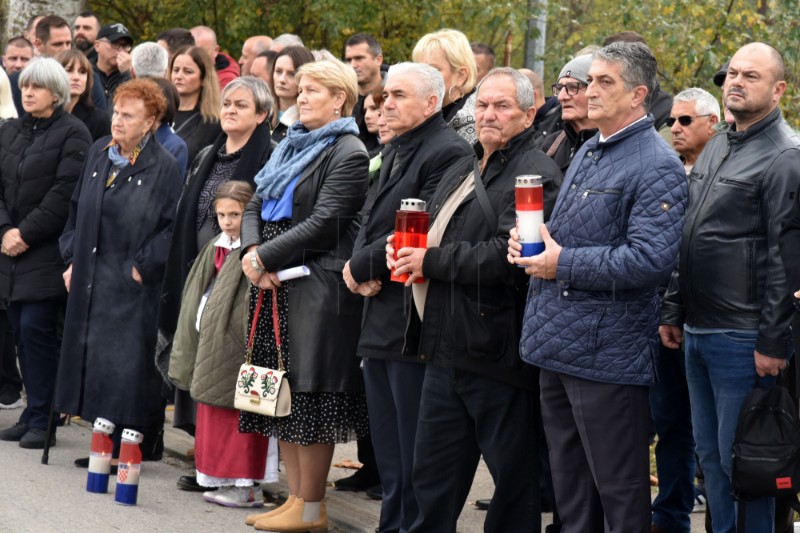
<point x="249" y="352"/>
<point x="275" y="326"/>
<point x="483" y="198"/>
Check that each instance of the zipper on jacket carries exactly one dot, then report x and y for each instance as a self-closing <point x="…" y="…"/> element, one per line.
<point x="750" y="274"/>
<point x="738" y="183"/>
<point x="25" y="153"/>
<point x="587" y="192"/>
<point x="709" y="184"/>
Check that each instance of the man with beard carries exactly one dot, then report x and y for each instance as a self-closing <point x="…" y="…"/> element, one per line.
<point x="729" y="300"/>
<point x="87" y="25"/>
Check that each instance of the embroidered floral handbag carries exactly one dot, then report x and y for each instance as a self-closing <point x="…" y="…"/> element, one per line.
<point x="262" y="390"/>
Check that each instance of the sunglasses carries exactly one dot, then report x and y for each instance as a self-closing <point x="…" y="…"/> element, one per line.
<point x="684" y="120"/>
<point x="572" y="87"/>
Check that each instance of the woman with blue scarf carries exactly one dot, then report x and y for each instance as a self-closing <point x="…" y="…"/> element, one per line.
<point x="303" y="213"/>
<point x="115" y="245"/>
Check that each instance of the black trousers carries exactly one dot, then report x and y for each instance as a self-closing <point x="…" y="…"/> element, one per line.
<point x="393" y="393"/>
<point x="597" y="434"/>
<point x="463" y="416"/>
<point x="9" y="373"/>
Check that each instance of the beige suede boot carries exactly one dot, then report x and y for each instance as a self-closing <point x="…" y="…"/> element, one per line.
<point x="253" y="518"/>
<point x="292" y="520"/>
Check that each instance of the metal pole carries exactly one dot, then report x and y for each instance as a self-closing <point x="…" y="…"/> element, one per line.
<point x="536" y="36"/>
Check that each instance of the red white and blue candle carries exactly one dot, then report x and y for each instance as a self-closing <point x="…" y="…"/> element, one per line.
<point x="100" y="456"/>
<point x="130" y="464"/>
<point x="530" y="214"/>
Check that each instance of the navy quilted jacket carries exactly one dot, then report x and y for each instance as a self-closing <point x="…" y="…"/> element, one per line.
<point x="619" y="218"/>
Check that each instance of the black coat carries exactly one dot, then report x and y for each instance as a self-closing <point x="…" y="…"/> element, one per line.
<point x="40" y="161"/>
<point x="568" y="145"/>
<point x="107" y="366"/>
<point x="197" y="134"/>
<point x="183" y="250"/>
<point x="324" y="316"/>
<point x="426" y="152"/>
<point x="97" y="121"/>
<point x="475" y="301"/>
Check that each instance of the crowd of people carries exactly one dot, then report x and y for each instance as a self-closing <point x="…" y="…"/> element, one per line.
<point x="152" y="195"/>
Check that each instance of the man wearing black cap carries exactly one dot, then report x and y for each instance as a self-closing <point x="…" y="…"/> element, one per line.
<point x="113" y="46"/>
<point x="719" y="79"/>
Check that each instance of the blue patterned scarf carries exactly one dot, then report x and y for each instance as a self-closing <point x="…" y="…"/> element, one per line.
<point x="296" y="152"/>
<point x="121" y="161"/>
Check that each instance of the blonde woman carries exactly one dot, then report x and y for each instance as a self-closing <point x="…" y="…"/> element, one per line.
<point x="449" y="52"/>
<point x="7" y="108"/>
<point x="313" y="185"/>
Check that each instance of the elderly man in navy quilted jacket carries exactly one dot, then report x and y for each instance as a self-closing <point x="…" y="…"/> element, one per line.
<point x="592" y="313"/>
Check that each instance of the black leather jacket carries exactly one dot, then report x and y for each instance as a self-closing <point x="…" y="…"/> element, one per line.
<point x="730" y="273"/>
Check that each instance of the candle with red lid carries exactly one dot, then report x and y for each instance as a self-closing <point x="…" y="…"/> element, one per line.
<point x="410" y="230"/>
<point x="530" y="214"/>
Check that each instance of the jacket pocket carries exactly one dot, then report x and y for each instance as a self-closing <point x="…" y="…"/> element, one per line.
<point x="594" y="327"/>
<point x="486" y="328"/>
<point x="600" y="211"/>
<point x="738" y="183"/>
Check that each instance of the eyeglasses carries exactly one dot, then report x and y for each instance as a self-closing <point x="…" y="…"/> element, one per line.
<point x="573" y="87"/>
<point x="117" y="45"/>
<point x="684" y="120"/>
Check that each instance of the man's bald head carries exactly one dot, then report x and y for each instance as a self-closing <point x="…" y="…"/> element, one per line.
<point x="250" y="49"/>
<point x="206" y="38"/>
<point x="538" y="86"/>
<point x="754" y="84"/>
<point x="769" y="54"/>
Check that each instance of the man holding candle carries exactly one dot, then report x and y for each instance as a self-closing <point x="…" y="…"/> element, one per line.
<point x="424" y="147"/>
<point x="592" y="314"/>
<point x="478" y="397"/>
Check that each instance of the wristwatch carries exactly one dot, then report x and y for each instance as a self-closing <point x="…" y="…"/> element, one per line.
<point x="254" y="263"/>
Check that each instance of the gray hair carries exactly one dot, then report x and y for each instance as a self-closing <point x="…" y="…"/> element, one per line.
<point x="522" y="85"/>
<point x="638" y="65"/>
<point x="429" y="80"/>
<point x="149" y="60"/>
<point x="48" y="73"/>
<point x="262" y="97"/>
<point x="288" y="39"/>
<point x="323" y="55"/>
<point x="704" y="101"/>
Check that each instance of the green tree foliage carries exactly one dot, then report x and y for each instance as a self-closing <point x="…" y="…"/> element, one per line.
<point x="691" y="39"/>
<point x="323" y="23"/>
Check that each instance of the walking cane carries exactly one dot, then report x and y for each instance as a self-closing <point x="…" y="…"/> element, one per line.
<point x="50" y="427"/>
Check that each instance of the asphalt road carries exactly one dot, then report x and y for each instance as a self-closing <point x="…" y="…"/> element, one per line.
<point x="44" y="498"/>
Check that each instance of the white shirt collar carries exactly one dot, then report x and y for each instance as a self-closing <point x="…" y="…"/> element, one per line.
<point x="603" y="139"/>
<point x="225" y="242"/>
